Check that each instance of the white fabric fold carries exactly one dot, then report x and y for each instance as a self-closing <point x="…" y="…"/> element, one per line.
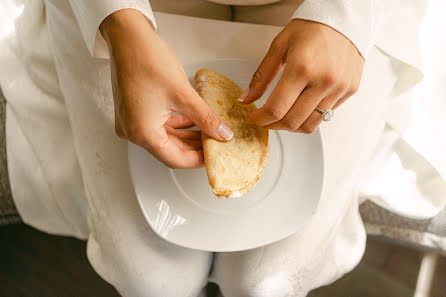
<point x="403" y="181"/>
<point x="50" y="198"/>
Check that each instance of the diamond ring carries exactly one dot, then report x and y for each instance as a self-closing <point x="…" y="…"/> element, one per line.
<point x="326" y="114"/>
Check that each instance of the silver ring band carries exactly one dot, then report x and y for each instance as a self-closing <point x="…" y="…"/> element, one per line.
<point x="326" y="114"/>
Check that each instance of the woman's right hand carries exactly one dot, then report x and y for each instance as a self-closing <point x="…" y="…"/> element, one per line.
<point x="149" y="85"/>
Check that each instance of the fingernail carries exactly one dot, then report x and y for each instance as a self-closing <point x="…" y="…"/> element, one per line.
<point x="225" y="132"/>
<point x="243" y="95"/>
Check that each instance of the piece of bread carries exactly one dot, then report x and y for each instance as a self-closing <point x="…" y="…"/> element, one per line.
<point x="235" y="166"/>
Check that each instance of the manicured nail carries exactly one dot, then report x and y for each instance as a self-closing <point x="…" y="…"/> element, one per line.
<point x="243" y="95"/>
<point x="225" y="132"/>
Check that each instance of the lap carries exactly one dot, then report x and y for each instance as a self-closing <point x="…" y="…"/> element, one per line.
<point x="126" y="252"/>
<point x="143" y="264"/>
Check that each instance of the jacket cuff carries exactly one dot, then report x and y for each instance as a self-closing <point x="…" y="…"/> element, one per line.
<point x="352" y="18"/>
<point x="90" y="14"/>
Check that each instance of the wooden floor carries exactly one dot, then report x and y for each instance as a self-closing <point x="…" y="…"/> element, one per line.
<point x="37" y="264"/>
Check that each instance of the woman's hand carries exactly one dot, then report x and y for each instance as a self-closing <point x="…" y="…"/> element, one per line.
<point x="149" y="85"/>
<point x="322" y="68"/>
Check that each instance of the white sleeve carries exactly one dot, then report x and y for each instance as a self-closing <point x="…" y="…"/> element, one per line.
<point x="355" y="19"/>
<point x="90" y="14"/>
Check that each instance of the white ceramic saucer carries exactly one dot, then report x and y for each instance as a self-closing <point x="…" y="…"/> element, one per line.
<point x="180" y="207"/>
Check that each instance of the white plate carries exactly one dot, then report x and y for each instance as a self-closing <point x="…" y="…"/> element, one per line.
<point x="180" y="207"/>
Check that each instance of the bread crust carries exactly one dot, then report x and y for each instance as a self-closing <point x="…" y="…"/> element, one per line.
<point x="234" y="167"/>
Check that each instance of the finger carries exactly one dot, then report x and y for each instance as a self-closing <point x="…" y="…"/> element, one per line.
<point x="188" y="159"/>
<point x="350" y="92"/>
<point x="186" y="134"/>
<point x="267" y="71"/>
<point x="353" y="86"/>
<point x="300" y="111"/>
<point x="186" y="144"/>
<point x="179" y="122"/>
<point x="280" y="101"/>
<point x="170" y="151"/>
<point x="176" y="157"/>
<point x="196" y="145"/>
<point x="339" y="102"/>
<point x="315" y="118"/>
<point x="193" y="107"/>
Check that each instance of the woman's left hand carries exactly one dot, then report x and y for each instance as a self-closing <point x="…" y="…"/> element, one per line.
<point x="321" y="68"/>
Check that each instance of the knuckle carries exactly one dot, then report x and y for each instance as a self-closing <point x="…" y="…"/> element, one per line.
<point x="298" y="72"/>
<point x="343" y="86"/>
<point x="308" y="128"/>
<point x="209" y="119"/>
<point x="301" y="54"/>
<point x="291" y="125"/>
<point x="330" y="78"/>
<point x="257" y="77"/>
<point x="277" y="43"/>
<point x="303" y="69"/>
<point x="274" y="112"/>
<point x="351" y="90"/>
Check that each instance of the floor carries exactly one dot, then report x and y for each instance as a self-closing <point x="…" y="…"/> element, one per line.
<point x="37" y="264"/>
<point x="386" y="270"/>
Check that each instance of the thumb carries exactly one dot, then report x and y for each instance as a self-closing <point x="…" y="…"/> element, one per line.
<point x="199" y="112"/>
<point x="267" y="71"/>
